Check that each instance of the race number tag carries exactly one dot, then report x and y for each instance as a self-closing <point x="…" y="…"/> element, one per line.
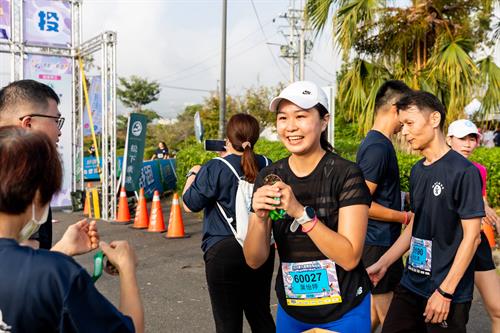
<point x="311" y="283"/>
<point x="420" y="259"/>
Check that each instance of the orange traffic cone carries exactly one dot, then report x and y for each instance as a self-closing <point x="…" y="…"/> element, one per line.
<point x="141" y="220"/>
<point x="123" y="211"/>
<point x="156" y="223"/>
<point x="489" y="233"/>
<point x="175" y="224"/>
<point x="86" y="207"/>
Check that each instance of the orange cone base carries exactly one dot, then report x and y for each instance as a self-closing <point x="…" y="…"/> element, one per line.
<point x="137" y="228"/>
<point x="121" y="223"/>
<point x="177" y="237"/>
<point x="157" y="231"/>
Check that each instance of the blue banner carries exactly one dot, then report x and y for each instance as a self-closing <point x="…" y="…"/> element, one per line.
<point x="95" y="97"/>
<point x="150" y="178"/>
<point x="157" y="175"/>
<point x="90" y="171"/>
<point x="168" y="174"/>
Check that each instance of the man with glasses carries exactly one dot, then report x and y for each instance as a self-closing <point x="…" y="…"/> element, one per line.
<point x="34" y="105"/>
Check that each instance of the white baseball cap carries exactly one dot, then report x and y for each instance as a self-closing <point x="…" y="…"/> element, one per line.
<point x="304" y="94"/>
<point x="462" y="127"/>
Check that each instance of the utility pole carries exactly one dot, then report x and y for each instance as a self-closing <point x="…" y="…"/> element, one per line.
<point x="222" y="96"/>
<point x="298" y="46"/>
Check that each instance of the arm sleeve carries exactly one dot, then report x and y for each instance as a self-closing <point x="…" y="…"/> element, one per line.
<point x="467" y="194"/>
<point x="373" y="163"/>
<point x="352" y="188"/>
<point x="204" y="188"/>
<point x="87" y="310"/>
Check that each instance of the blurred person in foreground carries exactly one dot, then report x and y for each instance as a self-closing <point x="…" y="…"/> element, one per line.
<point x="34" y="106"/>
<point x="58" y="292"/>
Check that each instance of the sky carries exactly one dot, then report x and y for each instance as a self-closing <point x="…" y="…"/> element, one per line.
<point x="178" y="44"/>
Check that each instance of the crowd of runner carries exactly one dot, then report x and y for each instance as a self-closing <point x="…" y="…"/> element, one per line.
<point x="341" y="229"/>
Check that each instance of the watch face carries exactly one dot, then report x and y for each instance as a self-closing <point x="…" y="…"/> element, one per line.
<point x="310" y="212"/>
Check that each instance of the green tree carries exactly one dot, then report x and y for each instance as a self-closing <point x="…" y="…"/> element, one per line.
<point x="433" y="45"/>
<point x="137" y="92"/>
<point x="150" y="114"/>
<point x="255" y="101"/>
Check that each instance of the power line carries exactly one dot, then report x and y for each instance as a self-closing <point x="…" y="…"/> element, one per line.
<point x="318" y="75"/>
<point x="322" y="68"/>
<point x="212" y="55"/>
<point x="184" y="88"/>
<point x="268" y="47"/>
<point x="216" y="65"/>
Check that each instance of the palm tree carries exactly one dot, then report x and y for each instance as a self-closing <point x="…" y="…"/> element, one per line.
<point x="433" y="45"/>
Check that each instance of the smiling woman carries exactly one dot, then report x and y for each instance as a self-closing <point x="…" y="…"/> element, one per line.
<point x="322" y="282"/>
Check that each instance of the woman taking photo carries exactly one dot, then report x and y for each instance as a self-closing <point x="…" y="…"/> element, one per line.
<point x="321" y="281"/>
<point x="234" y="287"/>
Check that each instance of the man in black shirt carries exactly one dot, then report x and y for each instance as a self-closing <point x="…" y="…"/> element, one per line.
<point x="445" y="191"/>
<point x="34" y="105"/>
<point x="377" y="159"/>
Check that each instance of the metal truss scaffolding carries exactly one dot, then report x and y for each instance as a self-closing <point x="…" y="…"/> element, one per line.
<point x="104" y="43"/>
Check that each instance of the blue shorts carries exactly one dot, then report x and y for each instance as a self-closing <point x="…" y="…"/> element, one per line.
<point x="356" y="321"/>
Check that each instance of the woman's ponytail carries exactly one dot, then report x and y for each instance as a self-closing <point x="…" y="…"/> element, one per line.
<point x="243" y="132"/>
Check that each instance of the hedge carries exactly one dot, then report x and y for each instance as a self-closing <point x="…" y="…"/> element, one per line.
<point x="192" y="153"/>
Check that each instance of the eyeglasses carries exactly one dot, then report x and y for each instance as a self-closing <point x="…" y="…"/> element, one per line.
<point x="59" y="120"/>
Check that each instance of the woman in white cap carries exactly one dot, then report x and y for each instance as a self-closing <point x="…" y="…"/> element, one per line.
<point x="463" y="137"/>
<point x="321" y="281"/>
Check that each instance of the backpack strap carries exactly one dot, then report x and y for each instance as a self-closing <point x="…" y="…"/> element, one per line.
<point x="229" y="220"/>
<point x="229" y="166"/>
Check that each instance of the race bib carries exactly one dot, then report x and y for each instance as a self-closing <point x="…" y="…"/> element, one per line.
<point x="311" y="283"/>
<point x="420" y="259"/>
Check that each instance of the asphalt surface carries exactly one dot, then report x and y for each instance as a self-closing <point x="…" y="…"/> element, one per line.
<point x="171" y="276"/>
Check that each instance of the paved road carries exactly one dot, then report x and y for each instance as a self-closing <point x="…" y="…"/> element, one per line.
<point x="172" y="278"/>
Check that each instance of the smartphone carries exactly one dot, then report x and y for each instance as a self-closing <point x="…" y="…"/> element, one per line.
<point x="215" y="145"/>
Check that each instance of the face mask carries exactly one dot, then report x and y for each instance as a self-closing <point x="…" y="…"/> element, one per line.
<point x="33" y="225"/>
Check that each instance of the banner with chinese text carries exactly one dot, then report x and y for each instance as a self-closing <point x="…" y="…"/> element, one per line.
<point x="5" y="19"/>
<point x="95" y="96"/>
<point x="56" y="72"/>
<point x="47" y="22"/>
<point x="134" y="150"/>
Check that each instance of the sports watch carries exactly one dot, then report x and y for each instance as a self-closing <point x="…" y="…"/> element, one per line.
<point x="308" y="215"/>
<point x="190" y="173"/>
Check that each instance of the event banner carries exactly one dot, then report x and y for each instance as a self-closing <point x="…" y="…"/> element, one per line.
<point x="158" y="175"/>
<point x="134" y="150"/>
<point x="56" y="72"/>
<point x="4" y="19"/>
<point x="95" y="97"/>
<point x="91" y="169"/>
<point x="47" y="22"/>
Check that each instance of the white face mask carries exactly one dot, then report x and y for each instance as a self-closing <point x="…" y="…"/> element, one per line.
<point x="33" y="225"/>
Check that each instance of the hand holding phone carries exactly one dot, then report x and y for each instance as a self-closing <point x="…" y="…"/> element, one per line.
<point x="215" y="145"/>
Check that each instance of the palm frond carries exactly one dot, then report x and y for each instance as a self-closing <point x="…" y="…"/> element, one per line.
<point x="490" y="79"/>
<point x="452" y="67"/>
